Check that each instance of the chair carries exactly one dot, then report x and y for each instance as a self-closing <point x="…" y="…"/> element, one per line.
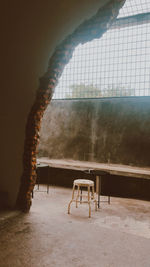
<point x="78" y="184"/>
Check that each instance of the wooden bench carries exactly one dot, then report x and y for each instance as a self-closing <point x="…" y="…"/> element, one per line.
<point x="98" y="169"/>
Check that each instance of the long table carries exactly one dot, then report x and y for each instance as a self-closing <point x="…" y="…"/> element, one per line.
<point x="114" y="169"/>
<point x="97" y="168"/>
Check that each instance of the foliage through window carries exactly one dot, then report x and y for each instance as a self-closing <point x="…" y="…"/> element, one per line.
<point x="116" y="65"/>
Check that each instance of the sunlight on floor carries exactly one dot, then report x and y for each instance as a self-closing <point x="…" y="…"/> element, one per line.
<point x="127" y="215"/>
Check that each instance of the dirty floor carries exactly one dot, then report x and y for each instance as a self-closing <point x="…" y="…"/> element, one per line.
<point x="116" y="235"/>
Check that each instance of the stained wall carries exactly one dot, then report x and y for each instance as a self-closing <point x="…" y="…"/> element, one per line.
<point x="101" y="130"/>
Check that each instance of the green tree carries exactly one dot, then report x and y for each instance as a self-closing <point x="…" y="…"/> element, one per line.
<point x="92" y="91"/>
<point x="84" y="91"/>
<point x="118" y="91"/>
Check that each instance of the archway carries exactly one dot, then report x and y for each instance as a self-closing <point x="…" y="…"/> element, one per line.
<point x="87" y="31"/>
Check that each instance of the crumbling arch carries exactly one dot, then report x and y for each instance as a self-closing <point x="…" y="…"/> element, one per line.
<point x="87" y="31"/>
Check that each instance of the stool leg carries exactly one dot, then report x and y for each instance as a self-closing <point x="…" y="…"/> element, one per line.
<point x="89" y="201"/>
<point x="94" y="198"/>
<point x="95" y="204"/>
<point x="93" y="192"/>
<point x="71" y="199"/>
<point x="78" y="194"/>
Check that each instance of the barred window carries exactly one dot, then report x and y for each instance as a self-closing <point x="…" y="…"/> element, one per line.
<point x="117" y="64"/>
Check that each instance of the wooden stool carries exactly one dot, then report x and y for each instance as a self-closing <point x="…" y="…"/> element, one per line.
<point x="83" y="183"/>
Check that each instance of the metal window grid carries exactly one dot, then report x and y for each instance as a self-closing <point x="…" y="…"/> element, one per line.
<point x="133" y="7"/>
<point x="116" y="65"/>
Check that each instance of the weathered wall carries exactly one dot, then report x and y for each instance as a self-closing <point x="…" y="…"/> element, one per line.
<point x="107" y="130"/>
<point x="30" y="31"/>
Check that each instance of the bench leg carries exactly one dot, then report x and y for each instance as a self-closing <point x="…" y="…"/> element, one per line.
<point x="78" y="194"/>
<point x="89" y="202"/>
<point x="81" y="195"/>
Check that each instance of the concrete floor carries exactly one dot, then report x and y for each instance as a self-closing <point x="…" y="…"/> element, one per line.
<point x="117" y="235"/>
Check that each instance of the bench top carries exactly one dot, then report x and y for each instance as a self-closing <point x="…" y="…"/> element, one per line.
<point x="114" y="169"/>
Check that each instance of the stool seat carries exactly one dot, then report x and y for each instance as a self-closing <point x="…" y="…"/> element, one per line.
<point x="79" y="183"/>
<point x="83" y="182"/>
